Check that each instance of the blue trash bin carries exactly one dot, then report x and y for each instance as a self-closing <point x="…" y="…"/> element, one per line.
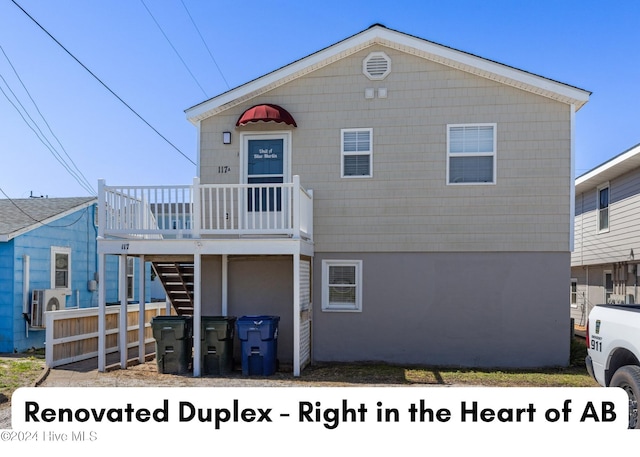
<point x="258" y="337"/>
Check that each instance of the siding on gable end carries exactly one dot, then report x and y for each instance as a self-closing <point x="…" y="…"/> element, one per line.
<point x="407" y="205"/>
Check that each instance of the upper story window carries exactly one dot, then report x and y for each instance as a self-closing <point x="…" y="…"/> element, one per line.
<point x="603" y="208"/>
<point x="357" y="153"/>
<point x="60" y="267"/>
<point x="471" y="154"/>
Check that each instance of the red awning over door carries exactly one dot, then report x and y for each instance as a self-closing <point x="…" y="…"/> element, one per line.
<point x="266" y="113"/>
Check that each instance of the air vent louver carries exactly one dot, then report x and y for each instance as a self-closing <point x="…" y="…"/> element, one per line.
<point x="376" y="65"/>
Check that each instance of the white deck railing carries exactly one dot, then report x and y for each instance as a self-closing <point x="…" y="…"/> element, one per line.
<point x="154" y="212"/>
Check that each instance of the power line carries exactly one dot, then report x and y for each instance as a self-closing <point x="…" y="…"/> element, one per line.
<point x="104" y="85"/>
<point x="205" y="44"/>
<point x="44" y="141"/>
<point x="174" y="49"/>
<point x="77" y="174"/>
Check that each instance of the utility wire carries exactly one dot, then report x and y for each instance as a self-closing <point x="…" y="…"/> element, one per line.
<point x="205" y="44"/>
<point x="104" y="85"/>
<point x="44" y="141"/>
<point x="174" y="49"/>
<point x="77" y="174"/>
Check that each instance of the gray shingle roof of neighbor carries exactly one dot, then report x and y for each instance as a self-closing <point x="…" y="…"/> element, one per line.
<point x="20" y="215"/>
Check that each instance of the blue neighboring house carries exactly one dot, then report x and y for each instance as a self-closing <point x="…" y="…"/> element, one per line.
<point x="48" y="244"/>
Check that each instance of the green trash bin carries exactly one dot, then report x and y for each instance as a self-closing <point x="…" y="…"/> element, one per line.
<point x="216" y="347"/>
<point x="174" y="343"/>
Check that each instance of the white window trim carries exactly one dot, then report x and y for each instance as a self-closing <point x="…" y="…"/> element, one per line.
<point x="326" y="306"/>
<point x="343" y="153"/>
<point x="598" y="209"/>
<point x="493" y="154"/>
<point x="604" y="284"/>
<point x="572" y="303"/>
<point x="131" y="277"/>
<point x="60" y="250"/>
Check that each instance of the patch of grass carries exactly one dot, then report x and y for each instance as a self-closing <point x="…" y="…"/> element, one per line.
<point x="575" y="376"/>
<point x="19" y="372"/>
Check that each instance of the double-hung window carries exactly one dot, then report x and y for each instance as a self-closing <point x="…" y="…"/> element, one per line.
<point x="357" y="153"/>
<point x="60" y="267"/>
<point x="574" y="293"/>
<point x="471" y="154"/>
<point x="603" y="208"/>
<point x="342" y="285"/>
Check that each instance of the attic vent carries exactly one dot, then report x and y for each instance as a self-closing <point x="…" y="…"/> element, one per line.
<point x="376" y="65"/>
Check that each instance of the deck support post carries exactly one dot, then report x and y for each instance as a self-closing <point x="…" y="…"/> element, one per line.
<point x="197" y="313"/>
<point x="122" y="324"/>
<point x="142" y="293"/>
<point x="225" y="285"/>
<point x="102" y="287"/>
<point x="296" y="314"/>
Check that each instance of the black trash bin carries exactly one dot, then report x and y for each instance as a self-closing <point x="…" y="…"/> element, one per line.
<point x="174" y="343"/>
<point x="216" y="346"/>
<point x="258" y="336"/>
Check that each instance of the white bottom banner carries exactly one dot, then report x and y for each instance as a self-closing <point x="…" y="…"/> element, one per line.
<point x="282" y="421"/>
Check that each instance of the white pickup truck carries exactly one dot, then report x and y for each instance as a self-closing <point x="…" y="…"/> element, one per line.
<point x="613" y="351"/>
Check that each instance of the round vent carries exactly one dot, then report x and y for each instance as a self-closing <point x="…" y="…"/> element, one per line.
<point x="376" y="65"/>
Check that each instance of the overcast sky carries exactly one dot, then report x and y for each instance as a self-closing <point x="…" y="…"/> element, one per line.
<point x="160" y="57"/>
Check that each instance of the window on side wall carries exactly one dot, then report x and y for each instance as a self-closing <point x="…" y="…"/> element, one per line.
<point x="342" y="285"/>
<point x="356" y="147"/>
<point x="603" y="208"/>
<point x="471" y="154"/>
<point x="574" y="293"/>
<point x="130" y="277"/>
<point x="608" y="286"/>
<point x="60" y="267"/>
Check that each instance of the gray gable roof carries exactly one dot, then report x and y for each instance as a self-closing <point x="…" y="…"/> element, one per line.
<point x="18" y="216"/>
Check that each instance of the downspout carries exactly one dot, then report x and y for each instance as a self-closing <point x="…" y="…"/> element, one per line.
<point x="572" y="191"/>
<point x="25" y="292"/>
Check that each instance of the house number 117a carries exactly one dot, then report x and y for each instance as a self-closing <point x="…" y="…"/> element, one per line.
<point x="224" y="169"/>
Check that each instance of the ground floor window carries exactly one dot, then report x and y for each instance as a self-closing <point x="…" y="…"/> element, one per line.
<point x="60" y="267"/>
<point x="608" y="286"/>
<point x="130" y="278"/>
<point x="574" y="293"/>
<point x="342" y="285"/>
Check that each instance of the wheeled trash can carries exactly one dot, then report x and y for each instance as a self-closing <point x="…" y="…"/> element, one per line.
<point x="174" y="343"/>
<point x="216" y="347"/>
<point x="258" y="337"/>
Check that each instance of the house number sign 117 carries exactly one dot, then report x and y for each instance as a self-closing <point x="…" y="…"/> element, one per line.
<point x="224" y="169"/>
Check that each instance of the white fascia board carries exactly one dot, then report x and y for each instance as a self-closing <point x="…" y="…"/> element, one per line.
<point x="459" y="59"/>
<point x="617" y="161"/>
<point x="278" y="77"/>
<point x="397" y="40"/>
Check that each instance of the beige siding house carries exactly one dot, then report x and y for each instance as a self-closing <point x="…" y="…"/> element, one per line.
<point x="391" y="199"/>
<point x="604" y="263"/>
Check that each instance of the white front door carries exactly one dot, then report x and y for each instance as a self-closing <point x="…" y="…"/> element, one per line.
<point x="266" y="163"/>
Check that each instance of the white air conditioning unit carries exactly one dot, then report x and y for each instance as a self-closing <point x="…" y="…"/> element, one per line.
<point x="43" y="300"/>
